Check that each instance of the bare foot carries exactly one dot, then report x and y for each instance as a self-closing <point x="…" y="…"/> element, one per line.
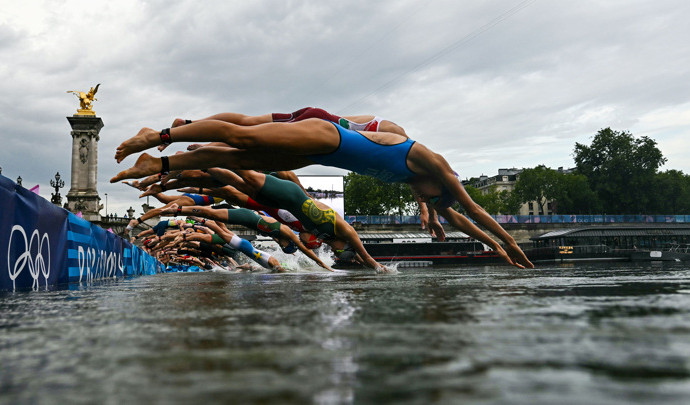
<point x="134" y="184"/>
<point x="178" y="122"/>
<point x="152" y="190"/>
<point x="170" y="209"/>
<point x="184" y="174"/>
<point x="149" y="180"/>
<point x="146" y="165"/>
<point x="146" y="138"/>
<point x="172" y="175"/>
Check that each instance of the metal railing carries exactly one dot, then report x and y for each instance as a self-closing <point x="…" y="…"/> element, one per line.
<point x="529" y="219"/>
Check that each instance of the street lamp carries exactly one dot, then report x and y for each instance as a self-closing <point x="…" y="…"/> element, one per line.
<point x="106" y="205"/>
<point x="19" y="181"/>
<point x="57" y="184"/>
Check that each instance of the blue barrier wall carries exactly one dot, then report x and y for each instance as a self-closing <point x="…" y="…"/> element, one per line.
<point x="43" y="245"/>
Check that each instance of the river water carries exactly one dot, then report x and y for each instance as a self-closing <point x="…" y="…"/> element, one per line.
<point x="614" y="333"/>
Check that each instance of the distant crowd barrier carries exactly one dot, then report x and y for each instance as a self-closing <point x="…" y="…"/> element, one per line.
<point x="527" y="219"/>
<point x="44" y="245"/>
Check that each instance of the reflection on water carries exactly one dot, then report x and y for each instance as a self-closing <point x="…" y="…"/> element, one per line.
<point x="595" y="333"/>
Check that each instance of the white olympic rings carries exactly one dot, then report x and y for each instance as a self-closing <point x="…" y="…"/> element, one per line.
<point x="37" y="264"/>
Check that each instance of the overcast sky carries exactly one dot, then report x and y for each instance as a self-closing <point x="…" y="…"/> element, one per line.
<point x="489" y="84"/>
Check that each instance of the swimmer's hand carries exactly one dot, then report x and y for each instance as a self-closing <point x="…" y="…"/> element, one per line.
<point x="518" y="257"/>
<point x="436" y="230"/>
<point x="384" y="269"/>
<point x="424" y="220"/>
<point x="515" y="256"/>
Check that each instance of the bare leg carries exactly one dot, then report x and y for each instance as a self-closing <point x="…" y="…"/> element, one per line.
<point x="209" y="157"/>
<point x="389" y="126"/>
<point x="306" y="137"/>
<point x="167" y="199"/>
<point x="241" y="119"/>
<point x="150" y="180"/>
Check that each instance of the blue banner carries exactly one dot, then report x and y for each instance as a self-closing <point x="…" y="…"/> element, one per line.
<point x="46" y="245"/>
<point x="31" y="239"/>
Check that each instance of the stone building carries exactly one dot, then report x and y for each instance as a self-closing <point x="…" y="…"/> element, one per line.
<point x="505" y="181"/>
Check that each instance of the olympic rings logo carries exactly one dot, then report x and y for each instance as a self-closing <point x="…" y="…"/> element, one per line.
<point x="98" y="264"/>
<point x="37" y="263"/>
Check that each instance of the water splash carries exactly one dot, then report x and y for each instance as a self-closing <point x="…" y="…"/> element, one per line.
<point x="298" y="262"/>
<point x="390" y="268"/>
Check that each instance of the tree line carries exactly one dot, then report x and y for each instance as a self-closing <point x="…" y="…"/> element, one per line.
<point x="617" y="173"/>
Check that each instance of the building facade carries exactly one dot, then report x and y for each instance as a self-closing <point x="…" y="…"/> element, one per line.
<point x="505" y="180"/>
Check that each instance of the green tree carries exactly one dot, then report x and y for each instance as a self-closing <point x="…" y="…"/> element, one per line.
<point x="672" y="194"/>
<point x="538" y="184"/>
<point x="572" y="195"/>
<point x="510" y="203"/>
<point x="569" y="193"/>
<point x="494" y="202"/>
<point x="620" y="169"/>
<point x="365" y="195"/>
<point x="398" y="199"/>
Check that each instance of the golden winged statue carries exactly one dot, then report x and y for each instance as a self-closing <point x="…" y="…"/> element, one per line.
<point x="85" y="100"/>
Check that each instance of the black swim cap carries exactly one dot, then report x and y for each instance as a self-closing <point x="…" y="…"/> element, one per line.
<point x="289" y="248"/>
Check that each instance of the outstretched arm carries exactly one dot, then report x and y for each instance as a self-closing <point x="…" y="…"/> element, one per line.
<point x="233" y="118"/>
<point x="350" y="235"/>
<point x="435" y="227"/>
<point x="423" y="214"/>
<point x="512" y="253"/>
<point x="438" y="168"/>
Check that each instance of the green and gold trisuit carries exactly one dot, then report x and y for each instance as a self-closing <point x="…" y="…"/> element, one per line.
<point x="289" y="196"/>
<point x="251" y="220"/>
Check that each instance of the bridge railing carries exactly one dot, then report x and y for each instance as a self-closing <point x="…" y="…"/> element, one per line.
<point x="528" y="219"/>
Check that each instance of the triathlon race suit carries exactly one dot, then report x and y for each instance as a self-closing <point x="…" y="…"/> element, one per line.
<point x="361" y="155"/>
<point x="200" y="199"/>
<point x="245" y="247"/>
<point x="310" y="112"/>
<point x="217" y="239"/>
<point x="163" y="226"/>
<point x="209" y="249"/>
<point x="288" y="195"/>
<point x="281" y="215"/>
<point x="250" y="251"/>
<point x="372" y="125"/>
<point x="251" y="220"/>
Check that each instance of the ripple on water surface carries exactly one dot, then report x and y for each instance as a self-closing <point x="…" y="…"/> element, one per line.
<point x="595" y="333"/>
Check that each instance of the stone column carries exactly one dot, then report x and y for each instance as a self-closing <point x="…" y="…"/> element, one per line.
<point x="83" y="194"/>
